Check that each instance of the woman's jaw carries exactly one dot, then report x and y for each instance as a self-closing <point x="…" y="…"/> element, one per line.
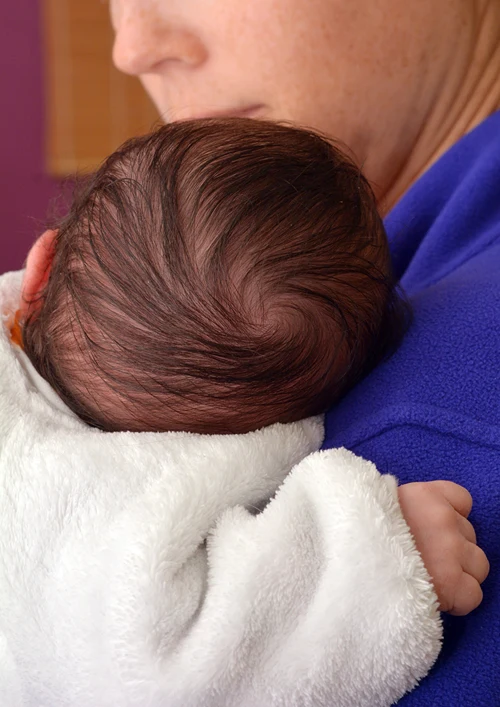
<point x="399" y="83"/>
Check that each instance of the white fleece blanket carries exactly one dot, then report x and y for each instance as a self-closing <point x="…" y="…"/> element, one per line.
<point x="136" y="570"/>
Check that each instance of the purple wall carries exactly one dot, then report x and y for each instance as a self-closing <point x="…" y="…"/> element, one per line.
<point x="25" y="190"/>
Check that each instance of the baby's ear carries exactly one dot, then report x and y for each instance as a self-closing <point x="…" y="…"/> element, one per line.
<point x="37" y="272"/>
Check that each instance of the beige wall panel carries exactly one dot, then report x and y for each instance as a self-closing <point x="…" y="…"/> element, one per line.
<point x="90" y="107"/>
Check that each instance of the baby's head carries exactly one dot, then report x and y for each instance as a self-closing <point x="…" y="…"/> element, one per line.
<point x="215" y="276"/>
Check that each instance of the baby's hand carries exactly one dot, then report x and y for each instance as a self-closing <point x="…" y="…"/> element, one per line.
<point x="436" y="512"/>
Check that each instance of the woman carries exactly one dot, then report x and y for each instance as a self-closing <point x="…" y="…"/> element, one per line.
<point x="413" y="88"/>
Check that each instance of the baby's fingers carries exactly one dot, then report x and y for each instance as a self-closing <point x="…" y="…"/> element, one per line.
<point x="475" y="563"/>
<point x="456" y="495"/>
<point x="468" y="596"/>
<point x="466" y="529"/>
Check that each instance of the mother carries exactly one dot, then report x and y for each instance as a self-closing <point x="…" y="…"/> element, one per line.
<point x="413" y="88"/>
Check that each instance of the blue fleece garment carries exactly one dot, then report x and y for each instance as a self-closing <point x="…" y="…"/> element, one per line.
<point x="433" y="410"/>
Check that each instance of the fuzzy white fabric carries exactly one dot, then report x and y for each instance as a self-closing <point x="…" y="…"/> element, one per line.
<point x="135" y="569"/>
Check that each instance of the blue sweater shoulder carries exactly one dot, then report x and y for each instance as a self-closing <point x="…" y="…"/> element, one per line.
<point x="445" y="240"/>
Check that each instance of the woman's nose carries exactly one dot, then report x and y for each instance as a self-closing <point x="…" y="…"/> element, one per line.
<point x="144" y="43"/>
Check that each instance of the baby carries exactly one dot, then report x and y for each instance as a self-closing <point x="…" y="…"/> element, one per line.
<point x="218" y="277"/>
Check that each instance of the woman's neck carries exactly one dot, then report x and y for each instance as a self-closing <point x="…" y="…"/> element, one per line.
<point x="472" y="96"/>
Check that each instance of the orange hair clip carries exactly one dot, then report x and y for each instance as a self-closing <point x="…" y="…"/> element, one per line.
<point x="16" y="332"/>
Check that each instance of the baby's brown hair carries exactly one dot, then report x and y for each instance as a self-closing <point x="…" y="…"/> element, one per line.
<point x="216" y="276"/>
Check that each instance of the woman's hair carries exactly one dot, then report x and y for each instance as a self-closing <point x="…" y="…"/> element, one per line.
<point x="216" y="276"/>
